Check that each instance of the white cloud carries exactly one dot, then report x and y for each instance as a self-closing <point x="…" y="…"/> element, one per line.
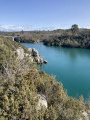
<point x="23" y="27"/>
<point x="87" y="27"/>
<point x="30" y="27"/>
<point x="46" y="28"/>
<point x="15" y="27"/>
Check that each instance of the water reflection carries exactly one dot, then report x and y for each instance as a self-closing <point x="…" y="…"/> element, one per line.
<point x="72" y="52"/>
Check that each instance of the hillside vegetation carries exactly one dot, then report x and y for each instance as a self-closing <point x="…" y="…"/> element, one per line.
<point x="21" y="83"/>
<point x="74" y="37"/>
<point x="71" y="38"/>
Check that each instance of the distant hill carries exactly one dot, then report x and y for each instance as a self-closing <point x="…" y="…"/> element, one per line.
<point x="74" y="37"/>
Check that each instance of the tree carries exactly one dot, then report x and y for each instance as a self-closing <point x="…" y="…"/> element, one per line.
<point x="75" y="28"/>
<point x="22" y="31"/>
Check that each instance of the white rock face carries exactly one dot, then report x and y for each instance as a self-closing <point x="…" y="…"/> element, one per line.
<point x="31" y="59"/>
<point x="27" y="54"/>
<point x="85" y="116"/>
<point x="37" y="57"/>
<point x="20" y="53"/>
<point x="33" y="55"/>
<point x="42" y="101"/>
<point x="29" y="49"/>
<point x="45" y="61"/>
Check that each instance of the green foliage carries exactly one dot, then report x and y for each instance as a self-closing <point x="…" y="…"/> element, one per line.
<point x="20" y="84"/>
<point x="74" y="28"/>
<point x="74" y="37"/>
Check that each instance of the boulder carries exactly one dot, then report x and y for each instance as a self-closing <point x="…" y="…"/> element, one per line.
<point x="42" y="102"/>
<point x="39" y="60"/>
<point x="29" y="49"/>
<point x="35" y="53"/>
<point x="84" y="116"/>
<point x="37" y="56"/>
<point x="20" y="53"/>
<point x="45" y="61"/>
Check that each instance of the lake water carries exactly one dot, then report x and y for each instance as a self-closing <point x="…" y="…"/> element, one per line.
<point x="71" y="66"/>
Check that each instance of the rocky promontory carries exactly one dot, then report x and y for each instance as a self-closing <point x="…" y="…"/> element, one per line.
<point x="33" y="55"/>
<point x="37" y="57"/>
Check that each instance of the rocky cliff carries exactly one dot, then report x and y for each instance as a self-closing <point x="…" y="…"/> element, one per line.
<point x="32" y="54"/>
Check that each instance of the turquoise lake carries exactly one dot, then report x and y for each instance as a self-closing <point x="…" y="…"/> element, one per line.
<point x="71" y="66"/>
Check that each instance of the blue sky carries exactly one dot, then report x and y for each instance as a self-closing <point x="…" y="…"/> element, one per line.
<point x="43" y="14"/>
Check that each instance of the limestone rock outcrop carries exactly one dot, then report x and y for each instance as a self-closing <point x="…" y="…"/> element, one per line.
<point x="20" y="53"/>
<point x="33" y="55"/>
<point x="45" y="61"/>
<point x="37" y="57"/>
<point x="84" y="116"/>
<point x="42" y="102"/>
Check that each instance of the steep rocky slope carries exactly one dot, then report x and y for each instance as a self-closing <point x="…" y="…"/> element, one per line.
<point x="29" y="94"/>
